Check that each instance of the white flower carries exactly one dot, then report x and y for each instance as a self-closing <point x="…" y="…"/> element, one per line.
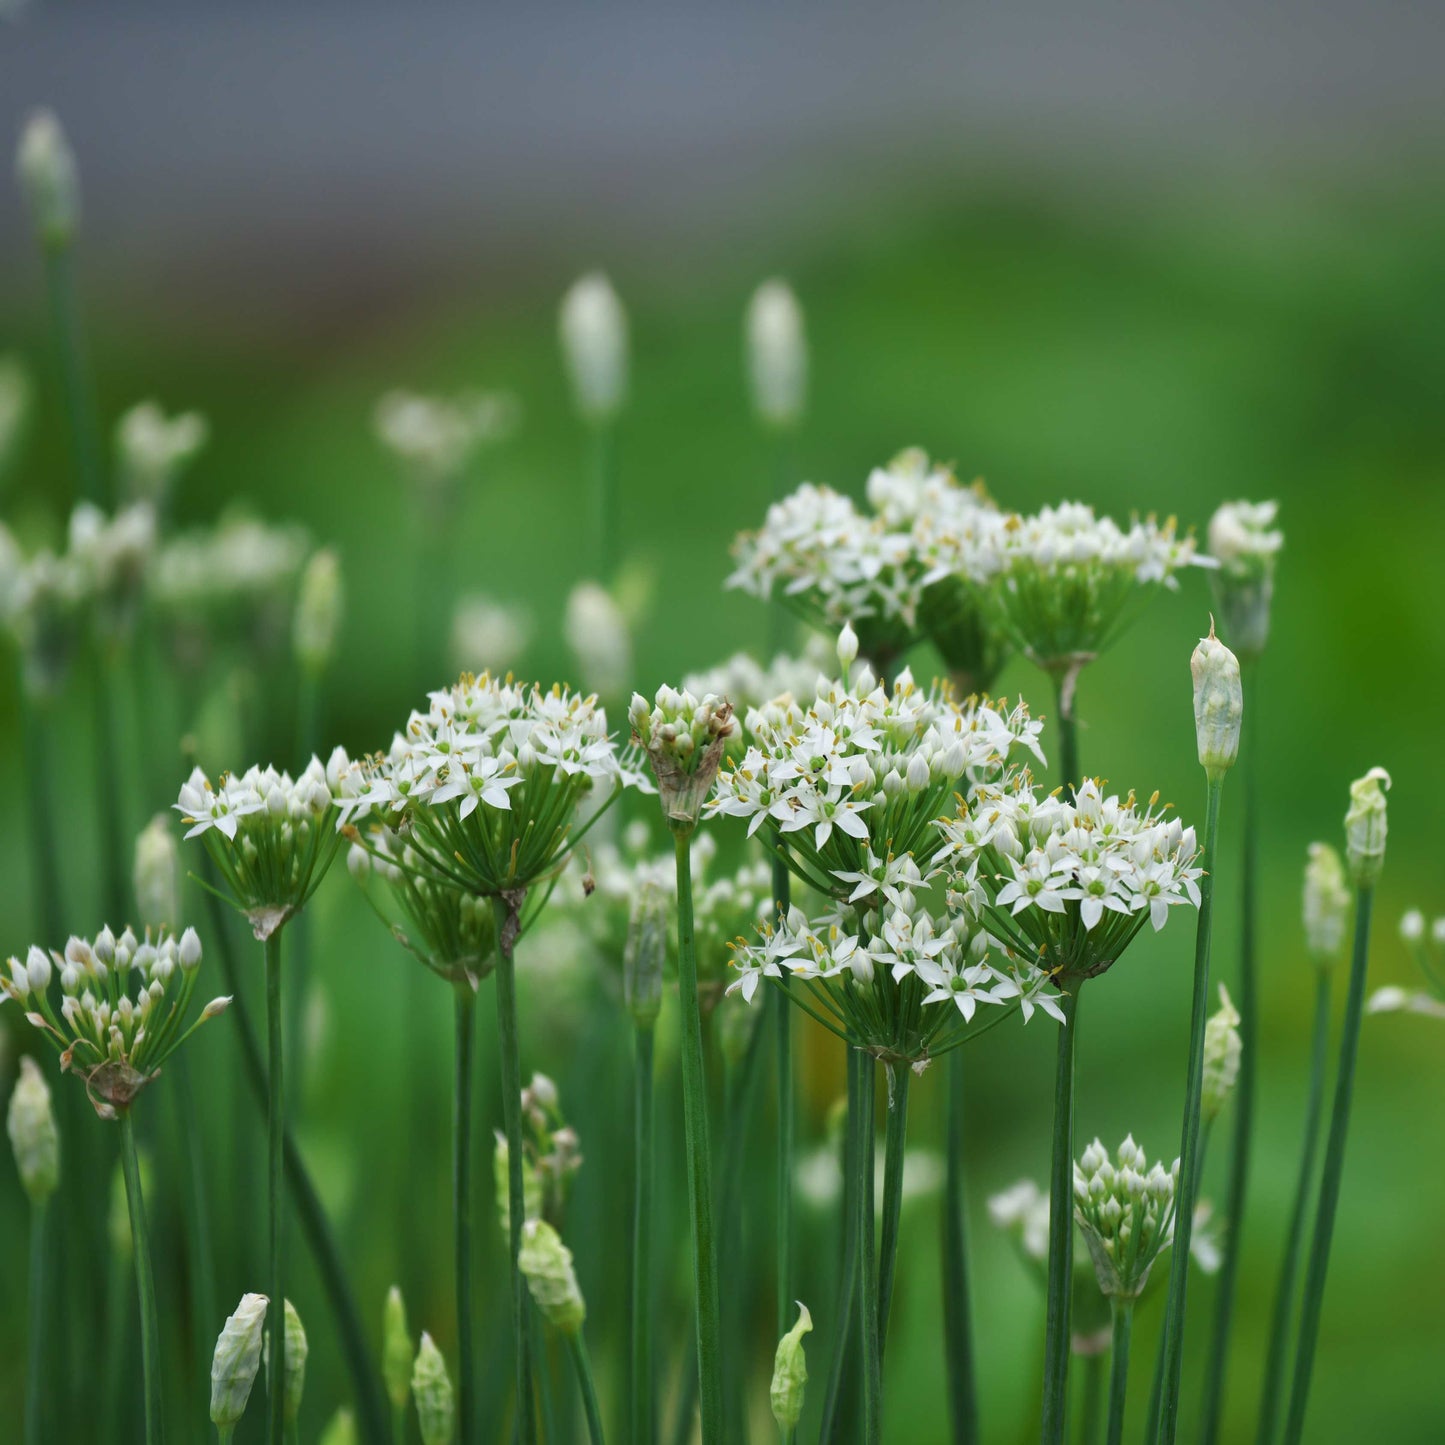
<point x="777" y="352"/>
<point x="1243" y="538"/>
<point x="1399" y="1000"/>
<point x="593" y="329"/>
<point x="1023" y="1211"/>
<point x="1325" y="904"/>
<point x="436" y="437"/>
<point x="596" y="632"/>
<point x="153" y="450"/>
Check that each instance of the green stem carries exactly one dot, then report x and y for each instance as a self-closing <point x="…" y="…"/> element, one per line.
<point x="45" y="860"/>
<point x="144" y="1280"/>
<point x="197" y="1210"/>
<point x="699" y="1168"/>
<point x="848" y="1268"/>
<point x="466" y="1007"/>
<point x="74" y="375"/>
<point x="1061" y="1228"/>
<point x="604" y="499"/>
<point x="1068" y="731"/>
<point x="1279" y="1332"/>
<point x="275" y="1153"/>
<point x="511" y="1064"/>
<point x="542" y="1361"/>
<point x="577" y="1346"/>
<point x="110" y="814"/>
<point x="1248" y="1003"/>
<point x="643" y="1408"/>
<point x="1156" y="1394"/>
<point x="1091" y="1407"/>
<point x="1123" y="1312"/>
<point x="1314" y="1292"/>
<point x="1189" y="1150"/>
<point x="957" y="1325"/>
<point x="120" y="1278"/>
<point x="895" y="1141"/>
<point x="868" y="1298"/>
<point x="786" y="1111"/>
<point x="35" y="1373"/>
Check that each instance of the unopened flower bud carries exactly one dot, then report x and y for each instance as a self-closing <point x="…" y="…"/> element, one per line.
<point x="531" y="1186"/>
<point x="593" y="329"/>
<point x="33" y="1135"/>
<point x="341" y="1430"/>
<point x="397" y="1350"/>
<point x="319" y="606"/>
<point x="157" y="874"/>
<point x="1366" y="825"/>
<point x="1326" y="903"/>
<point x="645" y="953"/>
<point x="790" y="1374"/>
<point x="547" y="1264"/>
<point x="1218" y="705"/>
<point x="1221" y="1057"/>
<point x="777" y="354"/>
<point x="46" y="167"/>
<point x="293" y="1382"/>
<point x="236" y="1361"/>
<point x="435" y="1408"/>
<point x="847" y="649"/>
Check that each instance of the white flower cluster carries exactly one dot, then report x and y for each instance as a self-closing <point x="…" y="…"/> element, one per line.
<point x="488" y="634"/>
<point x="1243" y="538"/>
<point x="1069" y="883"/>
<point x="114" y="1040"/>
<point x="747" y="684"/>
<point x="153" y="450"/>
<point x="1125" y="1208"/>
<point x="436" y="438"/>
<point x="112" y="554"/>
<point x="42" y="606"/>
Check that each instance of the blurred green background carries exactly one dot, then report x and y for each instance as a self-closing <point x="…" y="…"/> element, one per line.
<point x="1159" y="346"/>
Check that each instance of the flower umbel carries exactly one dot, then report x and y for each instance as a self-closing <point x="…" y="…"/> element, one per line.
<point x="1125" y="1208"/>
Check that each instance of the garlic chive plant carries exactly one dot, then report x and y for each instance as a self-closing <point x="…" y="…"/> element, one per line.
<point x="116" y="1041"/>
<point x="1245" y="543"/>
<point x="1366" y="827"/>
<point x="486" y="785"/>
<point x="271" y="839"/>
<point x="236" y="1363"/>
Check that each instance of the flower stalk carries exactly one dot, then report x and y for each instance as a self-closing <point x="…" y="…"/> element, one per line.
<point x="869" y="1302"/>
<point x="465" y="1002"/>
<point x="1061" y="1229"/>
<point x="275" y="1152"/>
<point x="1123" y="1322"/>
<point x="957" y="1323"/>
<point x="785" y="1109"/>
<point x="145" y="1281"/>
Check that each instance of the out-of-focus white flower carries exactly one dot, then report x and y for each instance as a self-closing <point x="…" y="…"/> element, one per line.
<point x="319" y="608"/>
<point x="1399" y="1000"/>
<point x="1022" y="1210"/>
<point x="1222" y="1048"/>
<point x="596" y="632"/>
<point x="593" y="329"/>
<point x="46" y="168"/>
<point x="488" y="635"/>
<point x="113" y="555"/>
<point x="153" y="450"/>
<point x="1326" y="904"/>
<point x="777" y="353"/>
<point x="157" y="874"/>
<point x="436" y="438"/>
<point x="30" y="1121"/>
<point x="44" y="612"/>
<point x="1245" y="543"/>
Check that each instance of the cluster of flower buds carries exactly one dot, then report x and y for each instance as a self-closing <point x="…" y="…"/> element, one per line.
<point x="436" y="438"/>
<point x="30" y="1122"/>
<point x="593" y="329"/>
<point x="777" y="355"/>
<point x="115" y="1042"/>
<point x="547" y="1265"/>
<point x="747" y="684"/>
<point x="271" y="836"/>
<point x="1245" y="542"/>
<point x="1325" y="904"/>
<point x="1125" y="1208"/>
<point x="236" y="1363"/>
<point x="1427" y="948"/>
<point x="1069" y="884"/>
<point x="153" y="450"/>
<point x="1222" y="1048"/>
<point x="684" y="740"/>
<point x="1366" y="827"/>
<point x="553" y="1153"/>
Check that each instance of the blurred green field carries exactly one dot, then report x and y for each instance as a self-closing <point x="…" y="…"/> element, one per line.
<point x="1158" y="354"/>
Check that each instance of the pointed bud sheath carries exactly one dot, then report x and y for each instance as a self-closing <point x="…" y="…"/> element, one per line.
<point x="1218" y="705"/>
<point x="33" y="1135"/>
<point x="157" y="874"/>
<point x="847" y="649"/>
<point x="45" y="165"/>
<point x="1221" y="1057"/>
<point x="547" y="1264"/>
<point x="341" y="1430"/>
<point x="319" y="606"/>
<point x="790" y="1373"/>
<point x="1326" y="904"/>
<point x="236" y="1361"/>
<point x="593" y="328"/>
<point x="1366" y="826"/>
<point x="777" y="354"/>
<point x="430" y="1384"/>
<point x="294" y="1383"/>
<point x="645" y="954"/>
<point x="397" y="1351"/>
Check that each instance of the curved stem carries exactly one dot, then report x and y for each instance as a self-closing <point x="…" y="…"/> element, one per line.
<point x="699" y="1168"/>
<point x="466" y="1007"/>
<point x="1189" y="1150"/>
<point x="895" y="1142"/>
<point x="1248" y="1003"/>
<point x="868" y="1298"/>
<point x="1310" y="1310"/>
<point x="275" y="1151"/>
<point x="848" y="1267"/>
<point x="1123" y="1312"/>
<point x="642" y="1391"/>
<point x="511" y="1064"/>
<point x="144" y="1280"/>
<point x="957" y="1324"/>
<point x="577" y="1346"/>
<point x="1279" y="1332"/>
<point x="35" y="1355"/>
<point x="786" y="1109"/>
<point x="1061" y="1229"/>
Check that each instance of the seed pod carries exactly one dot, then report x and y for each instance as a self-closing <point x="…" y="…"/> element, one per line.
<point x="435" y="1408"/>
<point x="33" y="1135"/>
<point x="1221" y="1056"/>
<point x="397" y="1350"/>
<point x="1366" y="826"/>
<point x="790" y="1373"/>
<point x="547" y="1264"/>
<point x="236" y="1361"/>
<point x="1218" y="705"/>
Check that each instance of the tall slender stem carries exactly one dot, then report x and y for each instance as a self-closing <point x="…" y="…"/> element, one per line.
<point x="1238" y="1185"/>
<point x="604" y="499"/>
<point x="699" y="1167"/>
<point x="44" y="857"/>
<point x="957" y="1325"/>
<point x="1091" y="1406"/>
<point x="868" y="1300"/>
<point x="1319" y="1261"/>
<point x="150" y="1342"/>
<point x="275" y="1153"/>
<point x="511" y="1063"/>
<point x="74" y="375"/>
<point x="786" y="1111"/>
<point x="894" y="1146"/>
<point x="643" y="1407"/>
<point x="1068" y="729"/>
<point x="466" y="1008"/>
<point x="1061" y="1228"/>
<point x="1189" y="1148"/>
<point x="848" y="1264"/>
<point x="197" y="1212"/>
<point x="1123" y="1312"/>
<point x="577" y="1347"/>
<point x="35" y="1374"/>
<point x="1279" y="1332"/>
<point x="110" y="813"/>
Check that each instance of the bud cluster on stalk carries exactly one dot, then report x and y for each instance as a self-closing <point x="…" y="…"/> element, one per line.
<point x="684" y="739"/>
<point x="431" y="1388"/>
<point x="236" y="1363"/>
<point x="1125" y="1208"/>
<point x="593" y="329"/>
<point x="547" y="1265"/>
<point x="551" y="1156"/>
<point x="777" y="354"/>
